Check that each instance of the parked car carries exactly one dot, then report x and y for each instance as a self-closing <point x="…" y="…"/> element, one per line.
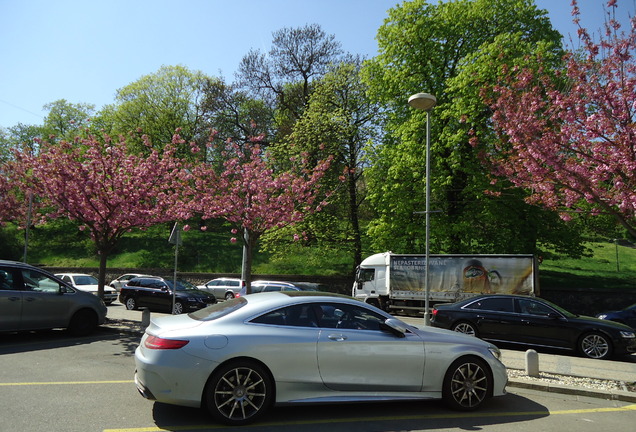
<point x="625" y="316"/>
<point x="123" y="280"/>
<point x="156" y="293"/>
<point x="222" y="288"/>
<point x="268" y="286"/>
<point x="34" y="299"/>
<point x="89" y="284"/>
<point x="523" y="320"/>
<point x="227" y="358"/>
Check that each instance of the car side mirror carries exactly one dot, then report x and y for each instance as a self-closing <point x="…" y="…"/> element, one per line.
<point x="394" y="326"/>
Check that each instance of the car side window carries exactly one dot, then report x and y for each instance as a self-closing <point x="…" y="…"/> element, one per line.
<point x="7" y="280"/>
<point x="346" y="316"/>
<point x="493" y="304"/>
<point x="35" y="281"/>
<point x="534" y="308"/>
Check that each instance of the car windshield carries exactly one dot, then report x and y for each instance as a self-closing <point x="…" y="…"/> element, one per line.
<point x="182" y="285"/>
<point x="85" y="280"/>
<point x="218" y="310"/>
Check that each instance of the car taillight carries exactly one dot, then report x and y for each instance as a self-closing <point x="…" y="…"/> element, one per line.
<point x="153" y="342"/>
<point x="434" y="311"/>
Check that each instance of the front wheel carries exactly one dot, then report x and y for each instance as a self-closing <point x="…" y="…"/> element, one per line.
<point x="239" y="393"/>
<point x="178" y="308"/>
<point x="467" y="384"/>
<point x="83" y="323"/>
<point x="595" y="346"/>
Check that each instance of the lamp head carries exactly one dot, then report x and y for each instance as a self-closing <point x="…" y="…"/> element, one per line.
<point x="422" y="101"/>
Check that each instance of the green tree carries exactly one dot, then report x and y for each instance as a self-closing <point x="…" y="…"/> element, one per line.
<point x="66" y="120"/>
<point x="435" y="49"/>
<point x="156" y="105"/>
<point x="338" y="121"/>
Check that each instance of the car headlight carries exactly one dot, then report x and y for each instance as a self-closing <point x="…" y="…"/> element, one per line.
<point x="601" y="316"/>
<point x="495" y="352"/>
<point x="627" y="334"/>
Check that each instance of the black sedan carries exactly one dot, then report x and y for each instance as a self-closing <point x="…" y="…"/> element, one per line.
<point x="626" y="316"/>
<point x="157" y="293"/>
<point x="532" y="321"/>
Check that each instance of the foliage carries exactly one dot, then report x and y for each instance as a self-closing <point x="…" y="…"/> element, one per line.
<point x="574" y="143"/>
<point x="156" y="105"/>
<point x="434" y="48"/>
<point x="104" y="188"/>
<point x="338" y="121"/>
<point x="285" y="75"/>
<point x="254" y="198"/>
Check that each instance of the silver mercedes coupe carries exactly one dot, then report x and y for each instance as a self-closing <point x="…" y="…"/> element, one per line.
<point x="238" y="358"/>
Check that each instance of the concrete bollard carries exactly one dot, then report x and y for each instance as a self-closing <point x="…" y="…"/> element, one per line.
<point x="532" y="363"/>
<point x="145" y="317"/>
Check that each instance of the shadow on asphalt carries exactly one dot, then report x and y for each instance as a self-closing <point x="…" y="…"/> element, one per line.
<point x="18" y="342"/>
<point x="376" y="417"/>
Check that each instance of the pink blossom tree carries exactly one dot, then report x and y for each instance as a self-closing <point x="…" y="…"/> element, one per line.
<point x="109" y="191"/>
<point x="10" y="205"/>
<point x="570" y="137"/>
<point x="255" y="198"/>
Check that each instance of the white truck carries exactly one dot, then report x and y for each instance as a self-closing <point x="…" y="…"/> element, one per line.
<point x="392" y="281"/>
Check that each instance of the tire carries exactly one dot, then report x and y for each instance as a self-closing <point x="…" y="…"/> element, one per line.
<point x="229" y="295"/>
<point x="465" y="327"/>
<point x="467" y="384"/>
<point x="83" y="323"/>
<point x="239" y="393"/>
<point x="177" y="308"/>
<point x="595" y="346"/>
<point x="131" y="303"/>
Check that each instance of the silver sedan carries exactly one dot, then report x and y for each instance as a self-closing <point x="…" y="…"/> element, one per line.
<point x="238" y="358"/>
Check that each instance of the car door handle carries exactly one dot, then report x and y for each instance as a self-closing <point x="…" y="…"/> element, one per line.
<point x="337" y="337"/>
<point x="14" y="298"/>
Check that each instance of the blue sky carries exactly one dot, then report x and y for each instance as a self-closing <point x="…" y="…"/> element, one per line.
<point x="83" y="51"/>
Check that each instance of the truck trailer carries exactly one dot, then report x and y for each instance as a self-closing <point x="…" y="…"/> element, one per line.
<point x="394" y="281"/>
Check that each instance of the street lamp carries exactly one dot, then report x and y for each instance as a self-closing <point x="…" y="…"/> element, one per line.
<point x="426" y="102"/>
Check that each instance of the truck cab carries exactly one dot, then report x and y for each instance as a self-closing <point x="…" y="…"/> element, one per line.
<point x="370" y="284"/>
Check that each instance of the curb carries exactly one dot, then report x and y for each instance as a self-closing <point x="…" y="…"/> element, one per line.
<point x="617" y="395"/>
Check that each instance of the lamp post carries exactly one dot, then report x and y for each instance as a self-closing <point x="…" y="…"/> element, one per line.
<point x="426" y="102"/>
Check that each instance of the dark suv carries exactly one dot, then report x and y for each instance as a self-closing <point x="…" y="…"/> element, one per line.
<point x="156" y="293"/>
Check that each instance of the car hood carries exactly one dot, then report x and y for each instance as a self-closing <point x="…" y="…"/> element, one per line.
<point x="93" y="288"/>
<point x="601" y="323"/>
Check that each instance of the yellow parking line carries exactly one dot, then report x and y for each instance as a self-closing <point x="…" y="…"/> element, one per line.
<point x="64" y="383"/>
<point x="386" y="418"/>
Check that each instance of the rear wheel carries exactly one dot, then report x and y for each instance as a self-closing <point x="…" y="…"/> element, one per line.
<point x="239" y="393"/>
<point x="131" y="303"/>
<point x="595" y="345"/>
<point x="229" y="295"/>
<point x="467" y="384"/>
<point x="465" y="327"/>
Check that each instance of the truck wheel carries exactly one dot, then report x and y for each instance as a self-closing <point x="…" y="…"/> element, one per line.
<point x="465" y="327"/>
